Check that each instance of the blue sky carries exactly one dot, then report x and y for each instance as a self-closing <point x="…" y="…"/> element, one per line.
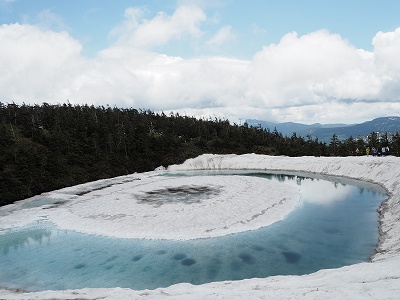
<point x="274" y="60"/>
<point x="254" y="23"/>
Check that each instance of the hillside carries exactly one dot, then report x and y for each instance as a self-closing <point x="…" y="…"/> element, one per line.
<point x="48" y="147"/>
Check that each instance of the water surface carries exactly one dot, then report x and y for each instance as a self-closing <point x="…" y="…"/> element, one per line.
<point x="336" y="225"/>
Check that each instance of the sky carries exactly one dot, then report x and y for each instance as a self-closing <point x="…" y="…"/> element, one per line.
<point x="309" y="61"/>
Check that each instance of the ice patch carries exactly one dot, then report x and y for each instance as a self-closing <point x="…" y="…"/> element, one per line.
<point x="219" y="205"/>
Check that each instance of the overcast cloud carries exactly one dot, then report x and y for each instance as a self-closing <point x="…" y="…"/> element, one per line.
<point x="318" y="77"/>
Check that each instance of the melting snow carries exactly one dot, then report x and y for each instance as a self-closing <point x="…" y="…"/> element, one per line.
<point x="94" y="206"/>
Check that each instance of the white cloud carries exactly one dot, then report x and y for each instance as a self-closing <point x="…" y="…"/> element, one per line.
<point x="386" y="49"/>
<point x="224" y="35"/>
<point x="162" y="29"/>
<point x="37" y="64"/>
<point x="317" y="77"/>
<point x="311" y="69"/>
<point x="160" y="82"/>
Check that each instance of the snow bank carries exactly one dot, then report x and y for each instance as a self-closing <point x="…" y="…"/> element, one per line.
<point x="378" y="279"/>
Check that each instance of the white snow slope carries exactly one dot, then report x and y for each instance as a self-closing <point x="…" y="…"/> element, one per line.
<point x="378" y="279"/>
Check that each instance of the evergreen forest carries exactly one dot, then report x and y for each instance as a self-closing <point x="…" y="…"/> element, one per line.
<point x="47" y="147"/>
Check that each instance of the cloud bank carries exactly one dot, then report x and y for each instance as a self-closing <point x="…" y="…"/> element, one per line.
<point x="316" y="77"/>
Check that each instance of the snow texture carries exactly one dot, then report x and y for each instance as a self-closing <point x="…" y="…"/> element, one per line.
<point x="377" y="279"/>
<point x="204" y="207"/>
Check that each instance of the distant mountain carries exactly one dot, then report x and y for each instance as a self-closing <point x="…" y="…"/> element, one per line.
<point x="325" y="132"/>
<point x="288" y="128"/>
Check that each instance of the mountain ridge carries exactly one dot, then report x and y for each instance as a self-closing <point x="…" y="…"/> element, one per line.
<point x="324" y="132"/>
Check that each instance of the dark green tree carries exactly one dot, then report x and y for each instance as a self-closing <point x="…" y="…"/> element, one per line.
<point x="334" y="144"/>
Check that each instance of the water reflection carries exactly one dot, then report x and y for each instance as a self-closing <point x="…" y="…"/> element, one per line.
<point x="323" y="192"/>
<point x="23" y="238"/>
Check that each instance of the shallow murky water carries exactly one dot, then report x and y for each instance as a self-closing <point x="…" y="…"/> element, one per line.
<point x="336" y="225"/>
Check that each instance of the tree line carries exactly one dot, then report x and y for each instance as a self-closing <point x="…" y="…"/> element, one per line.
<point x="47" y="147"/>
<point x="364" y="146"/>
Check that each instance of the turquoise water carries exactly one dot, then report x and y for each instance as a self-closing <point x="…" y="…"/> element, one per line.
<point x="315" y="236"/>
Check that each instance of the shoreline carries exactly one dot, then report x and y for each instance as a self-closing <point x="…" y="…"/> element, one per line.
<point x="375" y="279"/>
<point x="274" y="163"/>
<point x="383" y="207"/>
